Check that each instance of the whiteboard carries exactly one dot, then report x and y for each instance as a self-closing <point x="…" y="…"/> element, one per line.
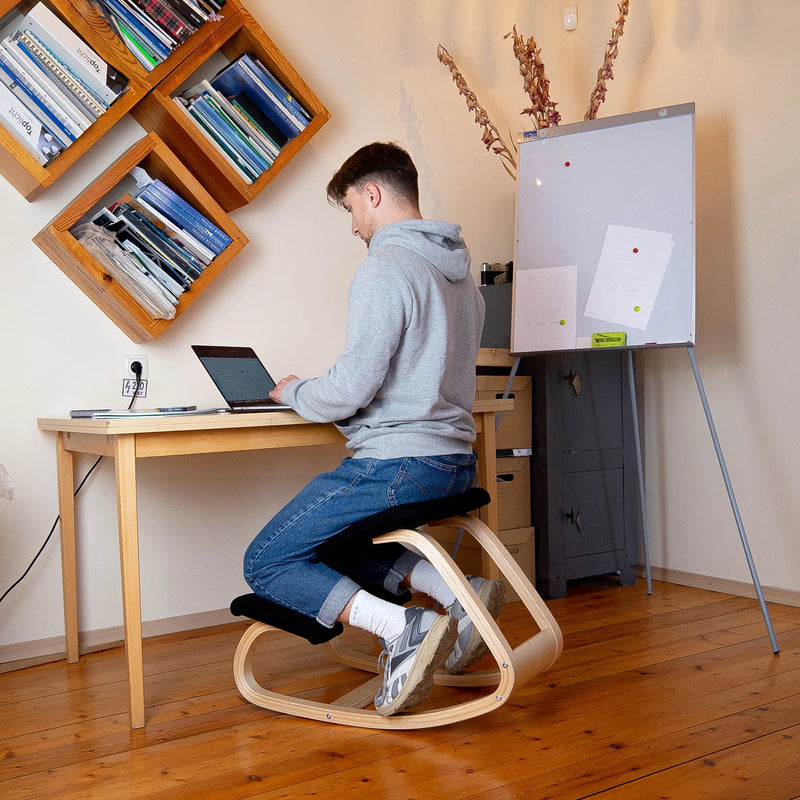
<point x="605" y="248"/>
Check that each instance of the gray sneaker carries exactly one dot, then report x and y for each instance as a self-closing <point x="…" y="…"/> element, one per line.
<point x="469" y="646"/>
<point x="410" y="660"/>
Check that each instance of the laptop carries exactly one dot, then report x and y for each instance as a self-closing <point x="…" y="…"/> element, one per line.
<point x="240" y="377"/>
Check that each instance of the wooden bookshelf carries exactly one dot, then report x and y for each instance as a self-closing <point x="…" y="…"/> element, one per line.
<point x="17" y="165"/>
<point x="158" y="112"/>
<point x="57" y="242"/>
<point x="149" y="99"/>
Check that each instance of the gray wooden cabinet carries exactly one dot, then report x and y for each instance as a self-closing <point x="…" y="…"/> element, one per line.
<point x="583" y="472"/>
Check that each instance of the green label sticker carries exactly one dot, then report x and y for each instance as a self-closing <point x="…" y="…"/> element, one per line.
<point x="612" y="339"/>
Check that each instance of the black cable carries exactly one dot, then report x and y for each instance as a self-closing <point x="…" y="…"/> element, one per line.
<point x="22" y="577"/>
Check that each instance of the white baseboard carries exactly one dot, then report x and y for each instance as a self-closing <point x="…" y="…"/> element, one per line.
<point x="772" y="594"/>
<point x="54" y="648"/>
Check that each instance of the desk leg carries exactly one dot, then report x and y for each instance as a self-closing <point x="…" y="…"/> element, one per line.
<point x="486" y="447"/>
<point x="128" y="522"/>
<point x="65" y="462"/>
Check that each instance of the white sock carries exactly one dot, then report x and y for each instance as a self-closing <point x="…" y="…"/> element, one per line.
<point x="377" y="616"/>
<point x="425" y="578"/>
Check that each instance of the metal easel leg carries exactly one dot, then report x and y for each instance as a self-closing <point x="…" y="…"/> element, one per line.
<point x="732" y="498"/>
<point x="640" y="473"/>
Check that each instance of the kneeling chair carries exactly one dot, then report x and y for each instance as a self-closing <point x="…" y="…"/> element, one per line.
<point x="515" y="666"/>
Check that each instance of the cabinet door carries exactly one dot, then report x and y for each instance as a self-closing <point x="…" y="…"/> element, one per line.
<point x="587" y="392"/>
<point x="594" y="521"/>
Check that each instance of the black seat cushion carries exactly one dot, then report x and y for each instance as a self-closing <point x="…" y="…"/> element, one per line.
<point x="406" y="515"/>
<point x="354" y="539"/>
<point x="257" y="608"/>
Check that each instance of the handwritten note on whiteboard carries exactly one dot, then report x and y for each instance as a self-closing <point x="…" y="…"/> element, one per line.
<point x="546" y="306"/>
<point x="629" y="274"/>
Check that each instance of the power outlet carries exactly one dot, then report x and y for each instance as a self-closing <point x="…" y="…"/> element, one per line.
<point x="129" y="377"/>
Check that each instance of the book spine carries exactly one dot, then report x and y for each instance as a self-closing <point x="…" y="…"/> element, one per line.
<point x="196" y="262"/>
<point x="132" y="231"/>
<point x="9" y="79"/>
<point x="267" y="142"/>
<point x="187" y="240"/>
<point x="260" y="120"/>
<point x="67" y="68"/>
<point x="69" y="130"/>
<point x="240" y="123"/>
<point x="74" y="51"/>
<point x="148" y="24"/>
<point x="137" y="30"/>
<point x="230" y="157"/>
<point x="78" y="93"/>
<point x="17" y="118"/>
<point x="177" y="255"/>
<point x="249" y="83"/>
<point x="213" y="115"/>
<point x="33" y="74"/>
<point x="172" y="204"/>
<point x="148" y="61"/>
<point x="189" y="12"/>
<point x="233" y="155"/>
<point x="159" y="12"/>
<point x="300" y="115"/>
<point x="275" y="91"/>
<point x="170" y="285"/>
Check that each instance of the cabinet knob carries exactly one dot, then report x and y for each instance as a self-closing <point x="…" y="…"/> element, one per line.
<point x="574" y="380"/>
<point x="575" y="518"/>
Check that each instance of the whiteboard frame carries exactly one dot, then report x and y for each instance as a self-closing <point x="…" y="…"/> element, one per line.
<point x="636" y="171"/>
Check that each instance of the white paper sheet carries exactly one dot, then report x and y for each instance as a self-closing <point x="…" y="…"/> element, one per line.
<point x="629" y="276"/>
<point x="545" y="308"/>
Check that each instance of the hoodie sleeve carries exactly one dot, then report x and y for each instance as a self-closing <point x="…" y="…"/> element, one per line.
<point x="380" y="306"/>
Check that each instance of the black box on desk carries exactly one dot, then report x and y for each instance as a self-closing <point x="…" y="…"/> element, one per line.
<point x="497" y="321"/>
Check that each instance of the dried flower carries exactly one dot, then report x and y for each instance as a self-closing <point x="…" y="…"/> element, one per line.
<point x="491" y="136"/>
<point x="536" y="84"/>
<point x="606" y="73"/>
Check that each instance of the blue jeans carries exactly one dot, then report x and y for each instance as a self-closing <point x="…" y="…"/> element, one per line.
<point x="281" y="564"/>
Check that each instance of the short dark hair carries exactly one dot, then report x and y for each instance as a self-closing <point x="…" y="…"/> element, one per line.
<point x="383" y="163"/>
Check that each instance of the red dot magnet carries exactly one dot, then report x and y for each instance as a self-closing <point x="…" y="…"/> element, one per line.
<point x="566" y="163"/>
<point x="635" y="249"/>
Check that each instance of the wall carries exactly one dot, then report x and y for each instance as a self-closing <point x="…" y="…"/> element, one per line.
<point x="374" y="65"/>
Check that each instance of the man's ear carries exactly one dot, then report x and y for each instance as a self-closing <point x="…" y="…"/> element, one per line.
<point x="373" y="193"/>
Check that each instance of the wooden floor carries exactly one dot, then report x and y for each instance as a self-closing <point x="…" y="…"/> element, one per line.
<point x="676" y="695"/>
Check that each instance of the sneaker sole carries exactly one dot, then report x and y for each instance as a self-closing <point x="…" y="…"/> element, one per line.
<point x="493" y="596"/>
<point x="433" y="652"/>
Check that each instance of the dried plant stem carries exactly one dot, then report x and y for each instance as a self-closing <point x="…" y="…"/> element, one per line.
<point x="537" y="86"/>
<point x="605" y="73"/>
<point x="491" y="136"/>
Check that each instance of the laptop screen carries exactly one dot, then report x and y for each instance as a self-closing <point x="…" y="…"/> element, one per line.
<point x="237" y="372"/>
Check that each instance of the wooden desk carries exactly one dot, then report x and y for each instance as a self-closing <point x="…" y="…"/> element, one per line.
<point x="127" y="440"/>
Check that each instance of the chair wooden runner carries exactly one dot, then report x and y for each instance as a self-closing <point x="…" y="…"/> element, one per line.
<point x="514" y="665"/>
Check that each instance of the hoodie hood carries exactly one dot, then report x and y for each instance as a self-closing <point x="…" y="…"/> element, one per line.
<point x="439" y="243"/>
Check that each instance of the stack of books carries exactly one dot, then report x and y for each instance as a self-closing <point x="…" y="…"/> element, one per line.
<point x="161" y="243"/>
<point x="53" y="86"/>
<point x="152" y="29"/>
<point x="246" y="114"/>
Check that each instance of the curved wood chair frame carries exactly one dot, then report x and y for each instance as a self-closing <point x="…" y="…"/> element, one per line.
<point x="515" y="665"/>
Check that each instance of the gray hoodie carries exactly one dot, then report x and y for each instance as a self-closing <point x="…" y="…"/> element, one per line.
<point x="405" y="382"/>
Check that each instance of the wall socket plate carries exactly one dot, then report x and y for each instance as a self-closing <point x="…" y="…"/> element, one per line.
<point x="127" y="372"/>
<point x="129" y="377"/>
